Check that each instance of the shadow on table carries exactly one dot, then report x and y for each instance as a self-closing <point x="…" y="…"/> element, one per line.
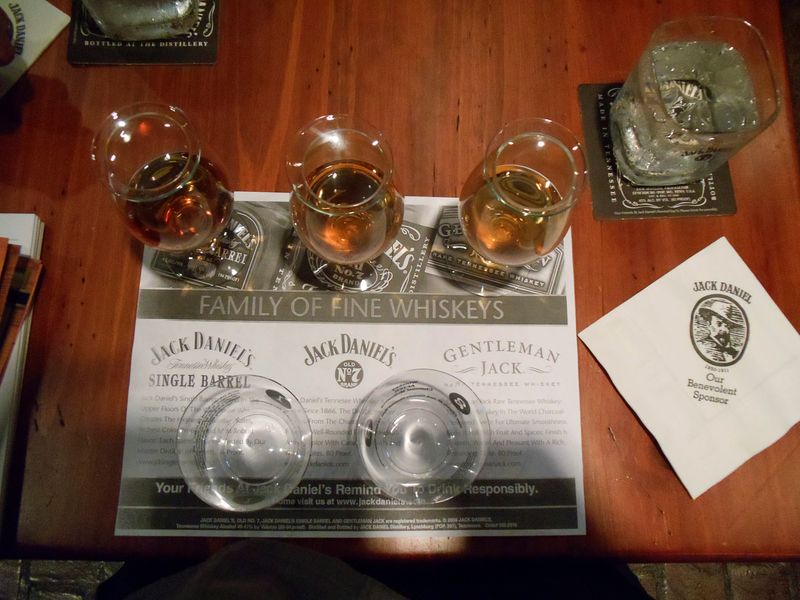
<point x="276" y="569"/>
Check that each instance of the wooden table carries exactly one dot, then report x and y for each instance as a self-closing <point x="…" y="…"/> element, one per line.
<point x="439" y="78"/>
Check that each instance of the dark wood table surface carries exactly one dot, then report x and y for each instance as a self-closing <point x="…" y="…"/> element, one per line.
<point x="439" y="78"/>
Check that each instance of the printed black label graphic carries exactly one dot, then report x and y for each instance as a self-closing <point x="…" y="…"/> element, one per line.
<point x="719" y="330"/>
<point x="460" y="402"/>
<point x="452" y="258"/>
<point x="225" y="264"/>
<point x="349" y="374"/>
<point x="365" y="276"/>
<point x="398" y="269"/>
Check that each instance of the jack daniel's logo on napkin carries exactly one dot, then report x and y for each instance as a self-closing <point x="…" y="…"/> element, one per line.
<point x="719" y="331"/>
<point x="33" y="26"/>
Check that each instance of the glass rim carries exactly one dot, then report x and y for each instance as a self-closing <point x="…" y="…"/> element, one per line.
<point x="701" y="18"/>
<point x="710" y="136"/>
<point x="554" y="132"/>
<point x="119" y="118"/>
<point x="300" y="148"/>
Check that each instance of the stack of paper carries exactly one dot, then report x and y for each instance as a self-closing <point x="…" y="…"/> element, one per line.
<point x="20" y="248"/>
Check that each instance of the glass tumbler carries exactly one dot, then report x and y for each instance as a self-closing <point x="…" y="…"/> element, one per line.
<point x="516" y="204"/>
<point x="170" y="195"/>
<point x="244" y="448"/>
<point x="344" y="205"/>
<point x="703" y="88"/>
<point x="422" y="436"/>
<point x="143" y="19"/>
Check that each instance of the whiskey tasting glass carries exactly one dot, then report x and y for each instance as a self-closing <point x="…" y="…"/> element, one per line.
<point x="516" y="204"/>
<point x="245" y="448"/>
<point x="344" y="205"/>
<point x="168" y="192"/>
<point x="422" y="436"/>
<point x="702" y="89"/>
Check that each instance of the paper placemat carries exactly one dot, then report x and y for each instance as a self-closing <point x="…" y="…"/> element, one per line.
<point x="267" y="308"/>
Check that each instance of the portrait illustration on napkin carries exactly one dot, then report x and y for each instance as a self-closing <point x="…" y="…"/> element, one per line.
<point x="719" y="327"/>
<point x="707" y="361"/>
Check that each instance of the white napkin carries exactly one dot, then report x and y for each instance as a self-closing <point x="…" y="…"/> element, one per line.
<point x="36" y="23"/>
<point x="707" y="361"/>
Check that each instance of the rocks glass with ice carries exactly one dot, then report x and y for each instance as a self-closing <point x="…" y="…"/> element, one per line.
<point x="244" y="448"/>
<point x="144" y="19"/>
<point x="703" y="88"/>
<point x="422" y="436"/>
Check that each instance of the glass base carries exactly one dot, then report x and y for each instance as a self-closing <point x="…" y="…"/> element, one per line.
<point x="226" y="262"/>
<point x="422" y="436"/>
<point x="481" y="277"/>
<point x="307" y="270"/>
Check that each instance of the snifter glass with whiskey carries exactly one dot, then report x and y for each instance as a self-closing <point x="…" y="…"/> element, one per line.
<point x="169" y="193"/>
<point x="516" y="204"/>
<point x="344" y="205"/>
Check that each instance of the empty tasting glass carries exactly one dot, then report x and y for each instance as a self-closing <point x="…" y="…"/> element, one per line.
<point x="516" y="204"/>
<point x="344" y="205"/>
<point x="703" y="88"/>
<point x="245" y="448"/>
<point x="168" y="192"/>
<point x="422" y="436"/>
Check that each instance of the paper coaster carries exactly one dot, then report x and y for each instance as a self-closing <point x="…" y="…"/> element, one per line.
<point x="615" y="198"/>
<point x="88" y="45"/>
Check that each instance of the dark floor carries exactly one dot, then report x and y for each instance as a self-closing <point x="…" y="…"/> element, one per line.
<point x="78" y="580"/>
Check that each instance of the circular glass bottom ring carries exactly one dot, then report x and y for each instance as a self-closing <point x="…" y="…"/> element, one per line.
<point x="414" y="476"/>
<point x="417" y="441"/>
<point x="256" y="453"/>
<point x="221" y="415"/>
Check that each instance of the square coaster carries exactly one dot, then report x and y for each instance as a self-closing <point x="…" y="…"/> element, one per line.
<point x="613" y="197"/>
<point x="452" y="258"/>
<point x="88" y="45"/>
